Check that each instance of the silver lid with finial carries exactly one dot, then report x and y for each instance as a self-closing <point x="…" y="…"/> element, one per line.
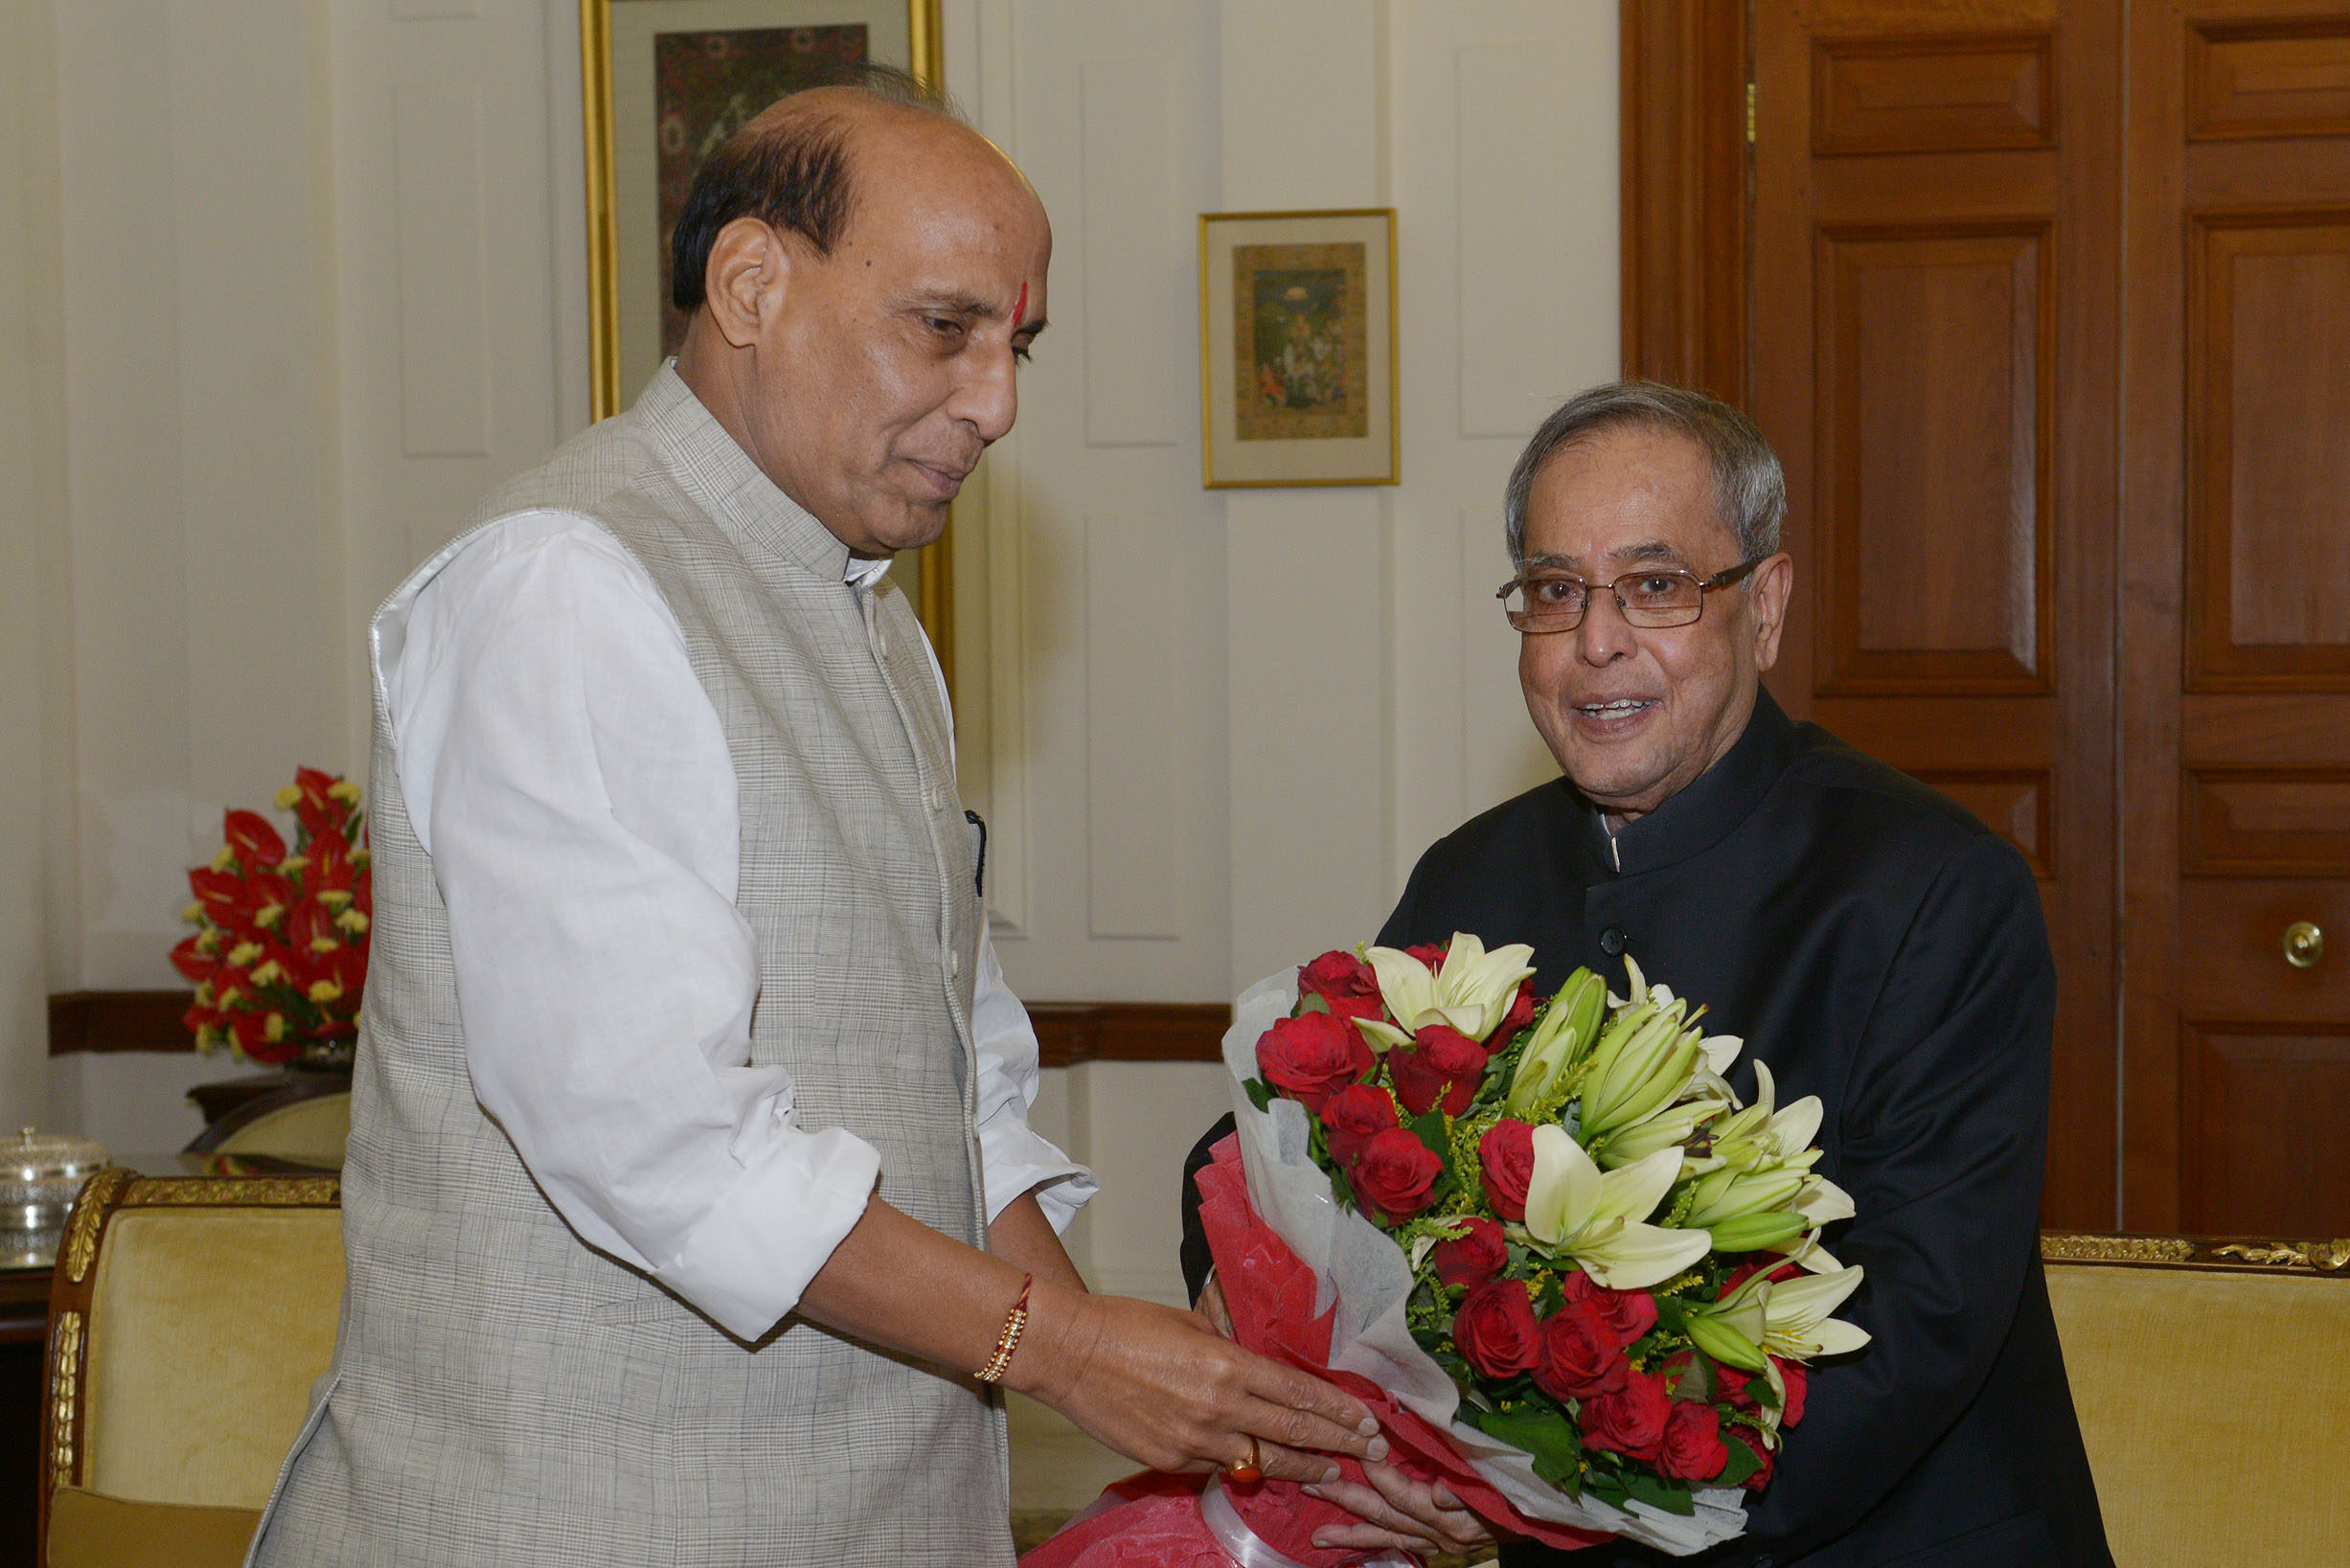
<point x="40" y="1174"/>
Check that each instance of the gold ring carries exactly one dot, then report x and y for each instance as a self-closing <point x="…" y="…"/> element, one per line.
<point x="1253" y="1469"/>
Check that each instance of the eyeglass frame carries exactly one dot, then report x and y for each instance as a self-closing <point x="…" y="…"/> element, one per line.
<point x="1722" y="579"/>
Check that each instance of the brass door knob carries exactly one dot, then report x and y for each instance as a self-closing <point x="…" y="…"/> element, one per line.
<point x="2304" y="943"/>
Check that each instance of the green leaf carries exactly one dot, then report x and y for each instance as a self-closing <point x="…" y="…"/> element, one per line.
<point x="1548" y="1435"/>
<point x="1311" y="1002"/>
<point x="1696" y="1383"/>
<point x="1261" y="1093"/>
<point x="1429" y="1130"/>
<point x="1743" y="1464"/>
<point x="1671" y="1496"/>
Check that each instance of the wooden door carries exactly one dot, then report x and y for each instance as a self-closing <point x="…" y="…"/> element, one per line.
<point x="2236" y="618"/>
<point x="1934" y="311"/>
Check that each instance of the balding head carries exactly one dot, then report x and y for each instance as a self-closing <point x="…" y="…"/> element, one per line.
<point x="863" y="271"/>
<point x="791" y="168"/>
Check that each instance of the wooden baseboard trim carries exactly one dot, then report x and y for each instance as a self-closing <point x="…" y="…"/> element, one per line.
<point x="119" y="1020"/>
<point x="1068" y="1033"/>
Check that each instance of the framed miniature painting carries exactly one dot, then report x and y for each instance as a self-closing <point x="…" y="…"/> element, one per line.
<point x="1297" y="333"/>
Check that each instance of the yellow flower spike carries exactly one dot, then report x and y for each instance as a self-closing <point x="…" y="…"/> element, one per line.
<point x="268" y="914"/>
<point x="194" y="914"/>
<point x="229" y="998"/>
<point x="208" y="940"/>
<point x="344" y="791"/>
<point x="204" y="994"/>
<point x="287" y="797"/>
<point x="273" y="1027"/>
<point x="267" y="974"/>
<point x="323" y="944"/>
<point x="334" y="897"/>
<point x="244" y="953"/>
<point x="352" y="920"/>
<point x="323" y="991"/>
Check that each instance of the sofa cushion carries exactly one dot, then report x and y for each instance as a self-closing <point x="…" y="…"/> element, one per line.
<point x="91" y="1529"/>
<point x="2216" y="1410"/>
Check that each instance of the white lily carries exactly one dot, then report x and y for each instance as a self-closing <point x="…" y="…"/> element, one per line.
<point x="1597" y="1218"/>
<point x="1762" y="1134"/>
<point x="1667" y="1128"/>
<point x="1471" y="991"/>
<point x="1789" y="1318"/>
<point x="1567" y="1031"/>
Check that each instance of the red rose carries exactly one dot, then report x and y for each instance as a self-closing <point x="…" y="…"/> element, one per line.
<point x="1730" y="1388"/>
<point x="1393" y="1175"/>
<point x="1519" y="1015"/>
<point x="1339" y="975"/>
<point x="1442" y="1066"/>
<point x="1507" y="1154"/>
<point x="1474" y="1257"/>
<point x="1629" y="1313"/>
<point x="1691" y="1449"/>
<point x="1428" y="953"/>
<point x="1765" y="1458"/>
<point x="1580" y="1355"/>
<point x="1313" y="1057"/>
<point x="1353" y="1117"/>
<point x="1630" y="1420"/>
<point x="1798" y="1380"/>
<point x="1494" y="1328"/>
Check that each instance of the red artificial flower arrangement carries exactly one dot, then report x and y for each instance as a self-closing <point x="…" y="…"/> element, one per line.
<point x="280" y="955"/>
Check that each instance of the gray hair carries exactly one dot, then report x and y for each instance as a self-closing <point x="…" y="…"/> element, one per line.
<point x="1749" y="491"/>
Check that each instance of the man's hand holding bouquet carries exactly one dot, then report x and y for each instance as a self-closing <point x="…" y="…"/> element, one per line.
<point x="1578" y="1280"/>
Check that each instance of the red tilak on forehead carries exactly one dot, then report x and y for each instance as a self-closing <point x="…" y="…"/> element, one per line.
<point x="1019" y="311"/>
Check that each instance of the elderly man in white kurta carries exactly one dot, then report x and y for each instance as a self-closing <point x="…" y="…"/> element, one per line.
<point x="690" y="1181"/>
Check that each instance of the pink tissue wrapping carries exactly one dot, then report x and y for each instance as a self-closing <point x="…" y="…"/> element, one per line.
<point x="1270" y="1293"/>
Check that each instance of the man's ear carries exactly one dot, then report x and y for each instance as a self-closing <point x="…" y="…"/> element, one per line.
<point x="1769" y="591"/>
<point x="745" y="277"/>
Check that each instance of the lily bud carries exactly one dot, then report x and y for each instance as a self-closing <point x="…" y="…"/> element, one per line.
<point x="1723" y="1343"/>
<point x="1753" y="1232"/>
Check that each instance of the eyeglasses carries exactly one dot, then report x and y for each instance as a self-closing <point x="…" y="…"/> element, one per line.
<point x="1659" y="597"/>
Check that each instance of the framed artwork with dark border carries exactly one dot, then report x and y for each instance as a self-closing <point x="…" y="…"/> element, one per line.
<point x="665" y="82"/>
<point x="1297" y="334"/>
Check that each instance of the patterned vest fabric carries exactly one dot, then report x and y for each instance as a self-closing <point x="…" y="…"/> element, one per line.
<point x="503" y="1393"/>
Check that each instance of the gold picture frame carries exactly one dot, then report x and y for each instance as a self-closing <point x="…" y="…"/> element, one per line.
<point x="1298" y="383"/>
<point x="633" y="171"/>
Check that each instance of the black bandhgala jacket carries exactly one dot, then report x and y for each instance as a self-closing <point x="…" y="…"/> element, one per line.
<point x="1880" y="949"/>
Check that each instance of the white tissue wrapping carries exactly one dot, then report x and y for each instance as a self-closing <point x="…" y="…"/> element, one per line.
<point x="1366" y="1274"/>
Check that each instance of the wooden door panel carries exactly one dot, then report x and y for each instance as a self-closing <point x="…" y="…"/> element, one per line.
<point x="1956" y="92"/>
<point x="2268" y="492"/>
<point x="2017" y="803"/>
<point x="2232" y="953"/>
<point x="2258" y="1118"/>
<point x="2270" y="78"/>
<point x="1932" y="334"/>
<point x="1933" y="515"/>
<point x="2265" y="821"/>
<point x="2236" y="639"/>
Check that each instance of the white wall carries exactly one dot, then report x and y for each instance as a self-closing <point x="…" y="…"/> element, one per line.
<point x="286" y="285"/>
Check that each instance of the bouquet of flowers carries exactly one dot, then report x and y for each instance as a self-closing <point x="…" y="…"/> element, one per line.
<point x="1577" y="1279"/>
<point x="280" y="953"/>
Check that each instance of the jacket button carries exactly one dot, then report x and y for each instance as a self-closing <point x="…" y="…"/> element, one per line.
<point x="954" y="965"/>
<point x="1612" y="941"/>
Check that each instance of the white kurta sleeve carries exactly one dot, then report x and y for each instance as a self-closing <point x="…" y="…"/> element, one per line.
<point x="571" y="781"/>
<point x="1013" y="1158"/>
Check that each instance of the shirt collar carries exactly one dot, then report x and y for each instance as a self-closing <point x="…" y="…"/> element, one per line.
<point x="1705" y="813"/>
<point x="720" y="475"/>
